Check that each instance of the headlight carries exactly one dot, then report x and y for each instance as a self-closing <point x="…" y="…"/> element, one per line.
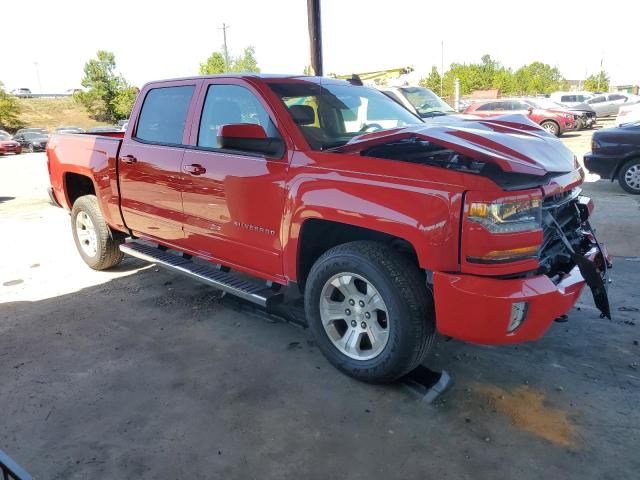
<point x="567" y="115"/>
<point x="507" y="217"/>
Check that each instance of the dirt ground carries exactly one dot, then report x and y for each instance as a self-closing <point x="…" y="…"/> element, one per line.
<point x="139" y="373"/>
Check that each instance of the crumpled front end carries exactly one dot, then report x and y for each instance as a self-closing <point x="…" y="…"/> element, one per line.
<point x="512" y="308"/>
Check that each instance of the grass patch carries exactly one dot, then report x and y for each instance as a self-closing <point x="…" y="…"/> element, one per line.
<point x="51" y="113"/>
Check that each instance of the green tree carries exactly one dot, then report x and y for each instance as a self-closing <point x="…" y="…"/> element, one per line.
<point x="537" y="78"/>
<point x="213" y="65"/>
<point x="534" y="78"/>
<point x="244" y="63"/>
<point x="598" y="82"/>
<point x="9" y="110"/>
<point x="431" y="81"/>
<point x="108" y="96"/>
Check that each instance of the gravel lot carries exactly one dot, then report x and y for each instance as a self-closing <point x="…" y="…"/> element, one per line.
<point x="139" y="373"/>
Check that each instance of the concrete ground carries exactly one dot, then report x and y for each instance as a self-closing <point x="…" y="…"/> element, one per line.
<point x="139" y="373"/>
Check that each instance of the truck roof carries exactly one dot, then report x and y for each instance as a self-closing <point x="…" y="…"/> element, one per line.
<point x="267" y="77"/>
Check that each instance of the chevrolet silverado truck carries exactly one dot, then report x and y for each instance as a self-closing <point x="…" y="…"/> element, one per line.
<point x="393" y="230"/>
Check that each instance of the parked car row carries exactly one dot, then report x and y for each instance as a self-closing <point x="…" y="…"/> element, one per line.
<point x="604" y="104"/>
<point x="35" y="139"/>
<point x="554" y="119"/>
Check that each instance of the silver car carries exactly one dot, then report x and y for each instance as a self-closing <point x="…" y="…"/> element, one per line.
<point x="608" y="104"/>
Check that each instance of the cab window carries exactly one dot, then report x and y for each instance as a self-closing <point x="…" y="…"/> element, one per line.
<point x="164" y="114"/>
<point x="230" y="104"/>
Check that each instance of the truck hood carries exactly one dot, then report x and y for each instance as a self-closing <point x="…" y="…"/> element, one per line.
<point x="512" y="142"/>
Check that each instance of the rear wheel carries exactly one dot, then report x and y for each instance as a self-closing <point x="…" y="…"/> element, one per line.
<point x="629" y="176"/>
<point x="551" y="127"/>
<point x="579" y="124"/>
<point x="30" y="148"/>
<point x="370" y="311"/>
<point x="98" y="246"/>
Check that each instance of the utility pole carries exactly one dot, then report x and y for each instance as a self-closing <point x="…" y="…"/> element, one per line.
<point x="441" y="66"/>
<point x="600" y="73"/>
<point x="315" y="36"/>
<point x="38" y="75"/>
<point x="226" y="50"/>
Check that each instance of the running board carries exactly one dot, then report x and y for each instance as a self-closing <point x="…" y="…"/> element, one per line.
<point x="227" y="282"/>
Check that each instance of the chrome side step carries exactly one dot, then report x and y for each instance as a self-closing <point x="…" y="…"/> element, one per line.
<point x="227" y="282"/>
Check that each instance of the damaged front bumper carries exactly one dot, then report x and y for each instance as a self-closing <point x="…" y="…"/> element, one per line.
<point x="492" y="311"/>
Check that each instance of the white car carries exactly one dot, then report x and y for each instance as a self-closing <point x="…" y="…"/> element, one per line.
<point x="628" y="114"/>
<point x="570" y="99"/>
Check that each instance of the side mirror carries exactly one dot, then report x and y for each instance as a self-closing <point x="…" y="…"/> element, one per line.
<point x="530" y="110"/>
<point x="248" y="137"/>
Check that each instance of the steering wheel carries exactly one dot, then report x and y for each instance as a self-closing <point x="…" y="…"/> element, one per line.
<point x="367" y="126"/>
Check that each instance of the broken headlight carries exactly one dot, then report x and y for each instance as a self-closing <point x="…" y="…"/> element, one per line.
<point x="507" y="216"/>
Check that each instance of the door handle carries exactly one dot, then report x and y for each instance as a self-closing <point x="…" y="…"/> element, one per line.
<point x="195" y="169"/>
<point x="128" y="159"/>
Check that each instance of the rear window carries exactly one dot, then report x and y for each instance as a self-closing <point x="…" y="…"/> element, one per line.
<point x="568" y="98"/>
<point x="164" y="114"/>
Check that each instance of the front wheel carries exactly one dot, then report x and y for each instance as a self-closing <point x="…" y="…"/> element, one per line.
<point x="30" y="149"/>
<point x="629" y="176"/>
<point x="98" y="246"/>
<point x="551" y="127"/>
<point x="370" y="311"/>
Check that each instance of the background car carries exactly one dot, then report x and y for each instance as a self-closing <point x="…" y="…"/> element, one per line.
<point x="7" y="145"/>
<point x="628" y="114"/>
<point x="32" y="141"/>
<point x="608" y="104"/>
<point x="419" y="100"/>
<point x="107" y="128"/>
<point x="22" y="92"/>
<point x="69" y="130"/>
<point x="570" y="98"/>
<point x="555" y="121"/>
<point x="615" y="154"/>
<point x="585" y="116"/>
<point x="32" y="130"/>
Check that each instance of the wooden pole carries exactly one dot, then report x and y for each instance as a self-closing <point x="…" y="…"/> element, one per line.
<point x="315" y="36"/>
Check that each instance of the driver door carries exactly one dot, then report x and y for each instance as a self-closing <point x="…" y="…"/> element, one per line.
<point x="233" y="201"/>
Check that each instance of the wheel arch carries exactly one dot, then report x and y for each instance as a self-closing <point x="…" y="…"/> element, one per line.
<point x="623" y="161"/>
<point x="319" y="235"/>
<point x="77" y="185"/>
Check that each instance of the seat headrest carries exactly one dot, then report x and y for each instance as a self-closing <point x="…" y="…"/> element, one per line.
<point x="303" y="114"/>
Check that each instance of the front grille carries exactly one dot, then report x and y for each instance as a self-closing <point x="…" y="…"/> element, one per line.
<point x="555" y="257"/>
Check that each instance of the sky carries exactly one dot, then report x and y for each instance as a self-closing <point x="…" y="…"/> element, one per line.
<point x="160" y="39"/>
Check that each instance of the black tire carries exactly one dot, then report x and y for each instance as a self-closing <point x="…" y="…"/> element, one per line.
<point x="411" y="325"/>
<point x="579" y="124"/>
<point x="107" y="254"/>
<point x="551" y="127"/>
<point x="629" y="168"/>
<point x="30" y="148"/>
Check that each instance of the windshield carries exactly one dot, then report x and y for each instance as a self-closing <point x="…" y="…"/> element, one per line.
<point x="545" y="103"/>
<point x="426" y="103"/>
<point x="329" y="115"/>
<point x="32" y="135"/>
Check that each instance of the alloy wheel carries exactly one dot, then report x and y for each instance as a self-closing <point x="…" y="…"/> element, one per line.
<point x="354" y="316"/>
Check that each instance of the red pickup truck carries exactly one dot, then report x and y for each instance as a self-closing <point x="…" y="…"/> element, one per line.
<point x="391" y="228"/>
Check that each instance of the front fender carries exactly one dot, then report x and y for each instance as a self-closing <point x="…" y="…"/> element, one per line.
<point x="412" y="210"/>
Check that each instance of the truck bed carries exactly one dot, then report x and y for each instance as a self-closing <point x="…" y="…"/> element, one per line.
<point x="87" y="155"/>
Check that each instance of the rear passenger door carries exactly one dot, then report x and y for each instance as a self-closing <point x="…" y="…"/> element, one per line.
<point x="234" y="200"/>
<point x="615" y="101"/>
<point x="150" y="162"/>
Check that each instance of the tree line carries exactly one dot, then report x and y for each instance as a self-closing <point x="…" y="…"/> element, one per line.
<point x="109" y="97"/>
<point x="535" y="78"/>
